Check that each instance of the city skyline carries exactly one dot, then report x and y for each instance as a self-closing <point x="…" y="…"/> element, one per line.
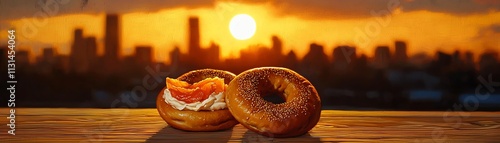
<point x="425" y="29"/>
<point x="84" y="53"/>
<point x="342" y="76"/>
<point x="84" y="50"/>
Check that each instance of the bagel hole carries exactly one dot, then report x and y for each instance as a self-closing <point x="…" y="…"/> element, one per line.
<point x="271" y="94"/>
<point x="275" y="98"/>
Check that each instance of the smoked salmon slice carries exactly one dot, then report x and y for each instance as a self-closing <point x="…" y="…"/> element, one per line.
<point x="195" y="92"/>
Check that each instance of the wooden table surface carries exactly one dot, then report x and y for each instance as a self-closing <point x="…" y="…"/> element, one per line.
<point x="145" y="125"/>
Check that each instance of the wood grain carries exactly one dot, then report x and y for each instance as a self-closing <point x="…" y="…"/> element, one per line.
<point x="145" y="125"/>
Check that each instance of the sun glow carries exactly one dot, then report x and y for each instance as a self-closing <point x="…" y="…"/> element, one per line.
<point x="242" y="26"/>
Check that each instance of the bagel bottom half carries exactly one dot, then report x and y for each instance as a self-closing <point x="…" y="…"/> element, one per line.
<point x="194" y="120"/>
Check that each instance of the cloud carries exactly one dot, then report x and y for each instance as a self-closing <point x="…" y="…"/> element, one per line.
<point x="458" y="7"/>
<point x="336" y="9"/>
<point x="488" y="31"/>
<point x="495" y="28"/>
<point x="339" y="9"/>
<point x="489" y="35"/>
<point x="309" y="9"/>
<point x="14" y="9"/>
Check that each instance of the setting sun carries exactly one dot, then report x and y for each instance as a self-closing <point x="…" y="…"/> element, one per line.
<point x="242" y="26"/>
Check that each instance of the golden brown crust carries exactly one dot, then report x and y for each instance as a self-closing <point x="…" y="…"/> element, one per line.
<point x="299" y="114"/>
<point x="197" y="120"/>
<point x="199" y="75"/>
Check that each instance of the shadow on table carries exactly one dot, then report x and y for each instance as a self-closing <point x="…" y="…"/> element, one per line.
<point x="251" y="137"/>
<point x="169" y="134"/>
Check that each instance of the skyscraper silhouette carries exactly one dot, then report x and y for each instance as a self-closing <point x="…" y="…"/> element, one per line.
<point x="400" y="54"/>
<point x="443" y="59"/>
<point x="48" y="55"/>
<point x="200" y="57"/>
<point x="457" y="58"/>
<point x="277" y="45"/>
<point x="47" y="60"/>
<point x="175" y="56"/>
<point x="314" y="65"/>
<point x="91" y="50"/>
<point x="22" y="58"/>
<point x="382" y="56"/>
<point x="112" y="38"/>
<point x="291" y="60"/>
<point x="83" y="53"/>
<point x="213" y="54"/>
<point x="78" y="61"/>
<point x="77" y="37"/>
<point x="194" y="35"/>
<point x="144" y="55"/>
<point x="469" y="59"/>
<point x="3" y="53"/>
<point x="488" y="62"/>
<point x="343" y="56"/>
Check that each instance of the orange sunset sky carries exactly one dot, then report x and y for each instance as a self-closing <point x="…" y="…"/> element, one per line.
<point x="426" y="25"/>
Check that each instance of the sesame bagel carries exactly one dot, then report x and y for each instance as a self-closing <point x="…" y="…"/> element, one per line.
<point x="296" y="116"/>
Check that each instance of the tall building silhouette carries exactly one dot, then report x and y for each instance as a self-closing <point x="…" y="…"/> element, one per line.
<point x="260" y="55"/>
<point x="77" y="41"/>
<point x="343" y="56"/>
<point x="212" y="55"/>
<point x="91" y="50"/>
<point x="194" y="35"/>
<point x="277" y="46"/>
<point x="457" y="59"/>
<point x="62" y="63"/>
<point x="382" y="57"/>
<point x="443" y="59"/>
<point x="400" y="54"/>
<point x="48" y="55"/>
<point x="469" y="59"/>
<point x="344" y="53"/>
<point x="78" y="61"/>
<point x="175" y="56"/>
<point x="314" y="65"/>
<point x="291" y="60"/>
<point x="488" y="62"/>
<point x="200" y="57"/>
<point x="144" y="55"/>
<point x="22" y="58"/>
<point x="3" y="51"/>
<point x="47" y="60"/>
<point x="83" y="53"/>
<point x="112" y="38"/>
<point x="276" y="52"/>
